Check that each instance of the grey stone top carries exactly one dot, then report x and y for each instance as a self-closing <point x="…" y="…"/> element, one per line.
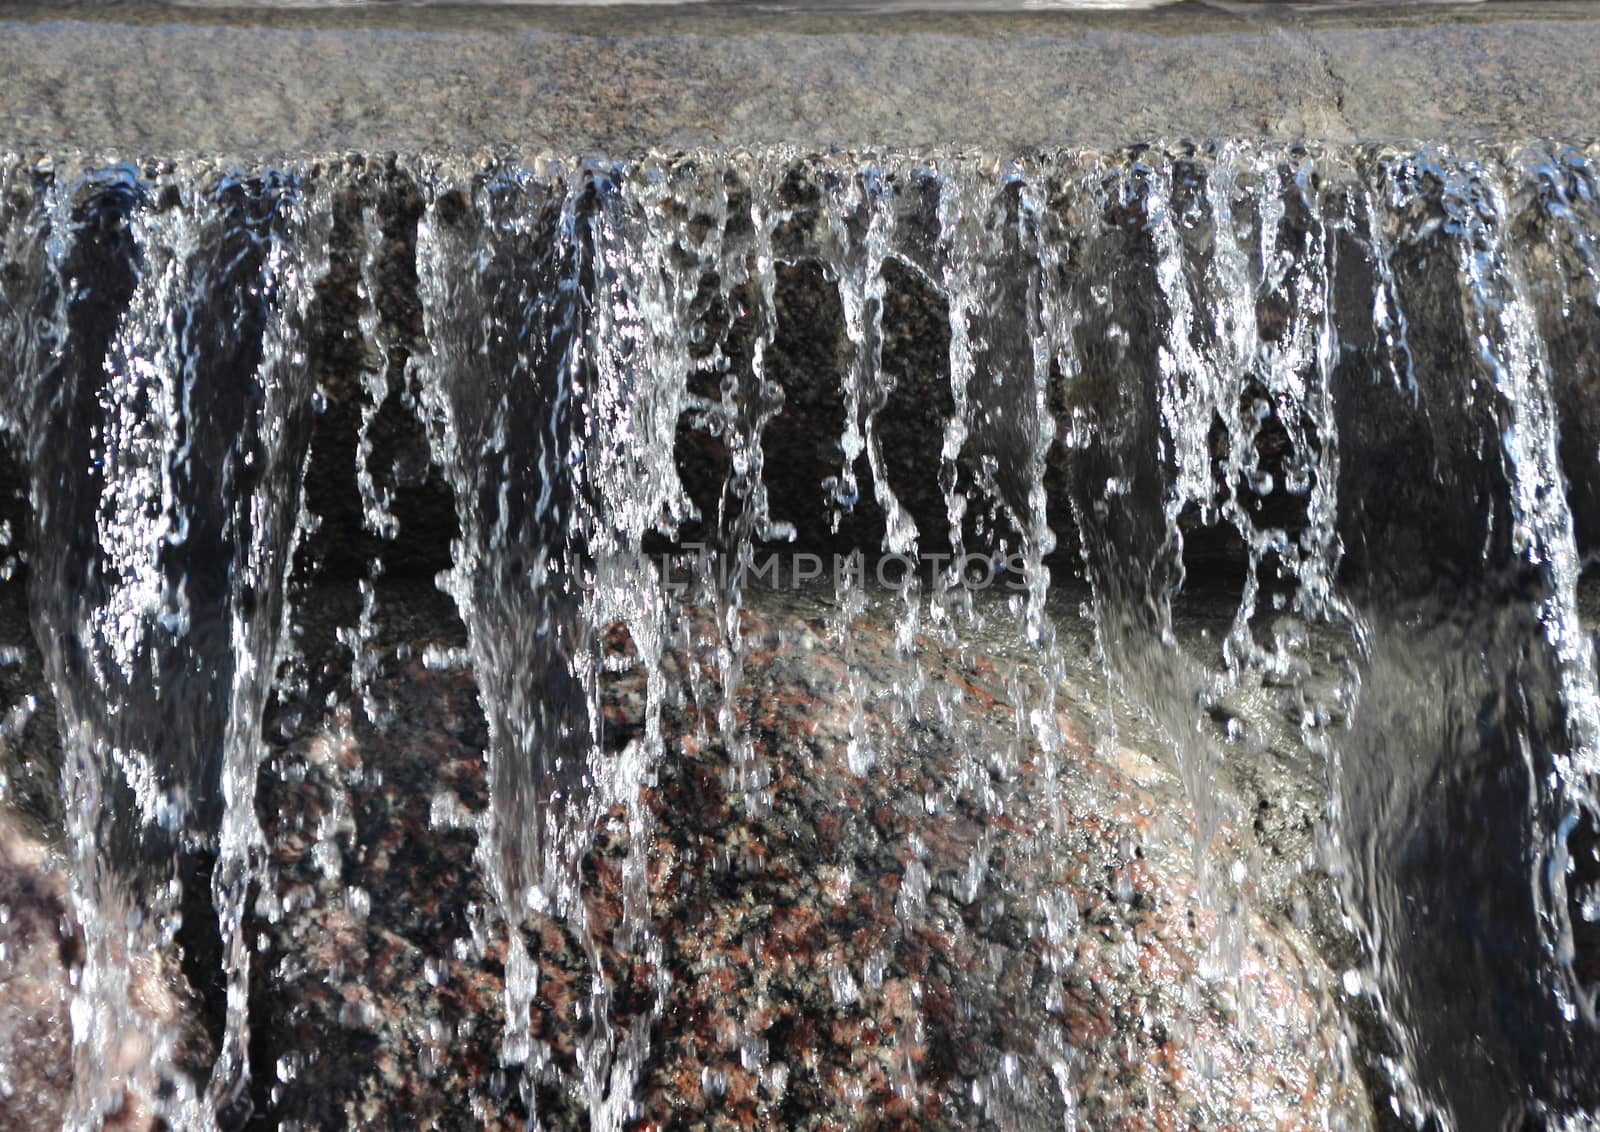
<point x="136" y="79"/>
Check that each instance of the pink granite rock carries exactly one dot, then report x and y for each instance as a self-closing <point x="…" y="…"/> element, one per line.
<point x="970" y="933"/>
<point x="40" y="945"/>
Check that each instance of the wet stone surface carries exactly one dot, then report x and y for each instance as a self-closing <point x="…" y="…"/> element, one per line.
<point x="36" y="943"/>
<point x="40" y="946"/>
<point x="971" y="933"/>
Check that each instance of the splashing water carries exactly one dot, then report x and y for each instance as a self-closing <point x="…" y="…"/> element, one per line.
<point x="1218" y="427"/>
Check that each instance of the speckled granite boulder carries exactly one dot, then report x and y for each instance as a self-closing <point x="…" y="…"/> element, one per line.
<point x="846" y="960"/>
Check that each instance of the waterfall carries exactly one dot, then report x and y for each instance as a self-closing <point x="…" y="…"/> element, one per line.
<point x="165" y="469"/>
<point x="1173" y="435"/>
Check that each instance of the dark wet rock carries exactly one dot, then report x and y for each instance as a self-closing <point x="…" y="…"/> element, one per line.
<point x="933" y="944"/>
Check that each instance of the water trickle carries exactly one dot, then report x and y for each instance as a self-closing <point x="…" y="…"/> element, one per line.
<point x="859" y="205"/>
<point x="499" y="388"/>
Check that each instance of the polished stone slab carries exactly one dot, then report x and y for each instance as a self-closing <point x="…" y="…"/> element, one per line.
<point x="134" y="79"/>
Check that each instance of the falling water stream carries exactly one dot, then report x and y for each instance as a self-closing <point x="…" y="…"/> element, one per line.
<point x="1333" y="406"/>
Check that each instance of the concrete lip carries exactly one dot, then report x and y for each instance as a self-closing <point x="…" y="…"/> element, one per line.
<point x="138" y="79"/>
